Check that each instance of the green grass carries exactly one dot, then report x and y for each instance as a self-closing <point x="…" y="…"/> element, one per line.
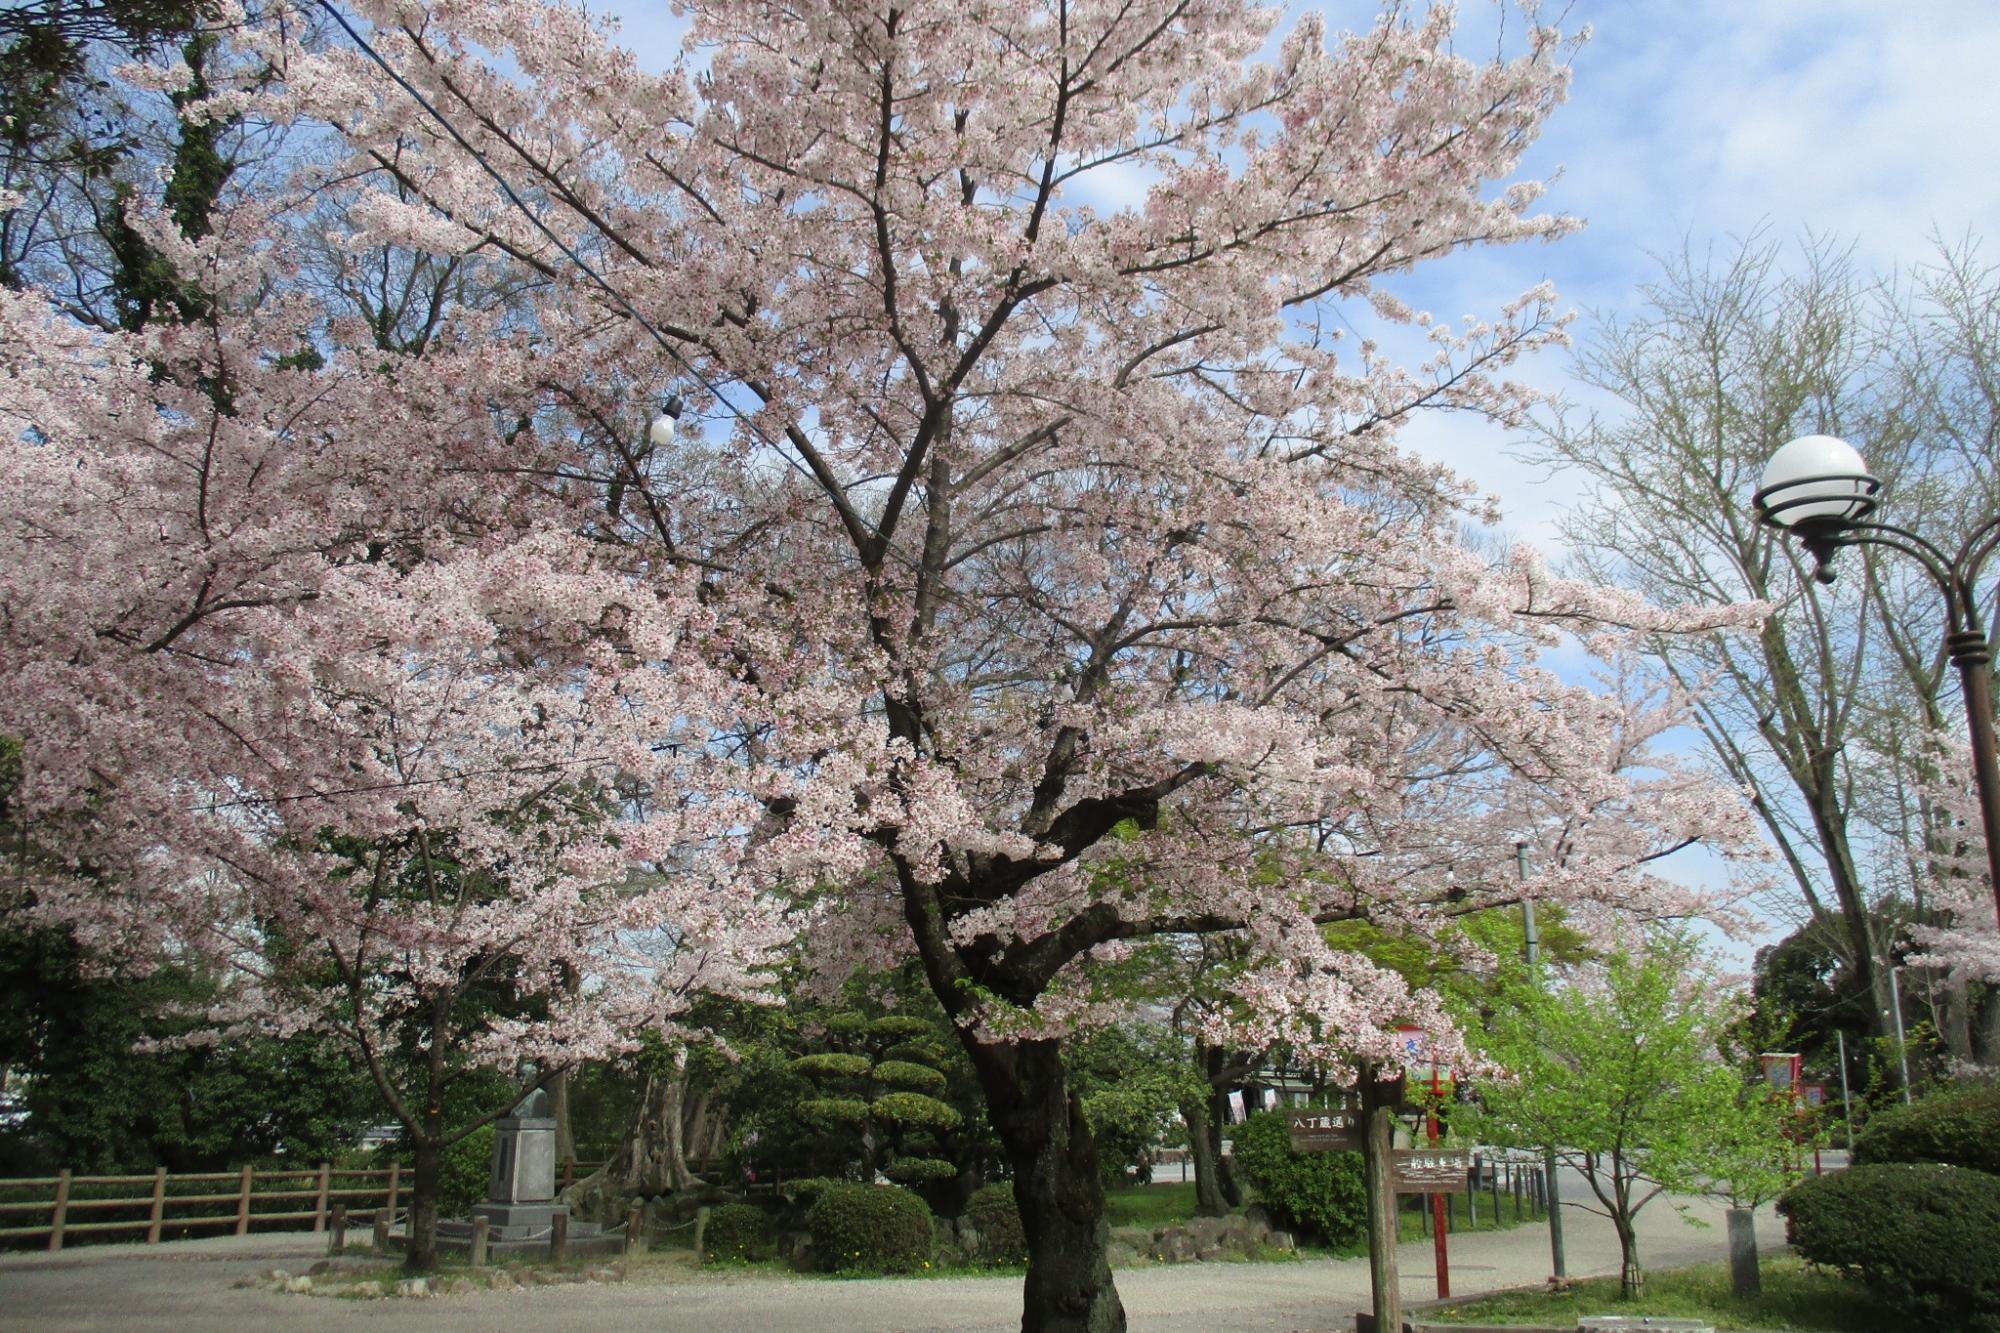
<point x="1149" y="1205"/>
<point x="1795" y="1298"/>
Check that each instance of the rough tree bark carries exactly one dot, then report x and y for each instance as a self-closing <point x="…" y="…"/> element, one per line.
<point x="420" y="1231"/>
<point x="651" y="1159"/>
<point x="1040" y="1123"/>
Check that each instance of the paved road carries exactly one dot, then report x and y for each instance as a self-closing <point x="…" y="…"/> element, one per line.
<point x="186" y="1285"/>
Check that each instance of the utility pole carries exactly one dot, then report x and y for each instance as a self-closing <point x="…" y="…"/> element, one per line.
<point x="1534" y="952"/>
<point x="1902" y="1045"/>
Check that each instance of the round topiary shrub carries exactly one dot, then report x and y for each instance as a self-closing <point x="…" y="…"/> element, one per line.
<point x="1318" y="1194"/>
<point x="869" y="1228"/>
<point x="1957" y="1127"/>
<point x="995" y="1218"/>
<point x="1926" y="1238"/>
<point x="736" y="1231"/>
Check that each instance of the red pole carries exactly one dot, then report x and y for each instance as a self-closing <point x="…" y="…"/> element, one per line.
<point x="1438" y="1219"/>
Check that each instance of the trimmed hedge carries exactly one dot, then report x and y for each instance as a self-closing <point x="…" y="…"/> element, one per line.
<point x="914" y="1108"/>
<point x="1924" y="1237"/>
<point x="736" y="1231"/>
<point x="995" y="1216"/>
<point x="1319" y="1194"/>
<point x="1957" y="1127"/>
<point x="869" y="1228"/>
<point x="912" y="1169"/>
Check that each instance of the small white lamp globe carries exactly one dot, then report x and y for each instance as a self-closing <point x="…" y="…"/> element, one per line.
<point x="661" y="433"/>
<point x="1816" y="477"/>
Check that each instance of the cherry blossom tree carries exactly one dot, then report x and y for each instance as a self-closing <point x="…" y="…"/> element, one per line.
<point x="1036" y="573"/>
<point x="328" y="718"/>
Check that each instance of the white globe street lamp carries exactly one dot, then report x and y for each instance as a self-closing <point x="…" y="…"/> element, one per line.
<point x="661" y="432"/>
<point x="1819" y="487"/>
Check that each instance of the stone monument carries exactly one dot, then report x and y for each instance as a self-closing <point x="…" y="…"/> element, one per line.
<point x="521" y="1206"/>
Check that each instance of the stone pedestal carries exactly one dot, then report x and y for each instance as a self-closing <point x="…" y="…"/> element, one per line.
<point x="521" y="1207"/>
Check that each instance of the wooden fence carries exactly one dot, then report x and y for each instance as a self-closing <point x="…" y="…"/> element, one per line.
<point x="167" y="1208"/>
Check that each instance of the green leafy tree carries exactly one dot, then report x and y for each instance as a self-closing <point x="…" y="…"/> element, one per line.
<point x="1133" y="1080"/>
<point x="1621" y="1069"/>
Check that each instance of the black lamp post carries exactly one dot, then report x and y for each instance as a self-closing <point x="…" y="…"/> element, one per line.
<point x="1819" y="488"/>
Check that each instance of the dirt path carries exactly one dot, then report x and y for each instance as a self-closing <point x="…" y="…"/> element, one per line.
<point x="186" y="1285"/>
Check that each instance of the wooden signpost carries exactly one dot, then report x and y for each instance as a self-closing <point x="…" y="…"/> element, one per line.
<point x="1431" y="1170"/>
<point x="1363" y="1122"/>
<point x="1327" y="1129"/>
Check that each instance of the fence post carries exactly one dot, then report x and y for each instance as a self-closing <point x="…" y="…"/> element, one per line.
<point x="382" y="1218"/>
<point x="634" y="1222"/>
<point x="159" y="1205"/>
<point x="337" y="1224"/>
<point x="700" y="1229"/>
<point x="395" y="1168"/>
<point x="559" y="1237"/>
<point x="243" y="1203"/>
<point x="60" y="1214"/>
<point x="319" y="1204"/>
<point x="479" y="1226"/>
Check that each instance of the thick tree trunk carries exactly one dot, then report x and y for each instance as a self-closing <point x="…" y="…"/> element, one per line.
<point x="649" y="1162"/>
<point x="1209" y="1200"/>
<point x="673" y="1127"/>
<point x="420" y="1232"/>
<point x="1218" y="1116"/>
<point x="1056" y="1182"/>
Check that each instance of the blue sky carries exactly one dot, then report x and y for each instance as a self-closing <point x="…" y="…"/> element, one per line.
<point x="1695" y="121"/>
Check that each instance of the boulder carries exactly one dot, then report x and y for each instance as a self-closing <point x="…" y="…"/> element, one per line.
<point x="414" y="1287"/>
<point x="1281" y="1240"/>
<point x="1208" y="1231"/>
<point x="796" y="1249"/>
<point x="298" y="1286"/>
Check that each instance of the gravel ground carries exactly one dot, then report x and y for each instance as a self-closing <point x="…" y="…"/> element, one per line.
<point x="186" y="1285"/>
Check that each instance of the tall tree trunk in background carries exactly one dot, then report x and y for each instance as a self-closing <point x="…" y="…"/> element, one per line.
<point x="1209" y="1200"/>
<point x="669" y="1120"/>
<point x="1056" y="1183"/>
<point x="1225" y="1174"/>
<point x="1985" y="1023"/>
<point x="702" y="1129"/>
<point x="559" y="1108"/>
